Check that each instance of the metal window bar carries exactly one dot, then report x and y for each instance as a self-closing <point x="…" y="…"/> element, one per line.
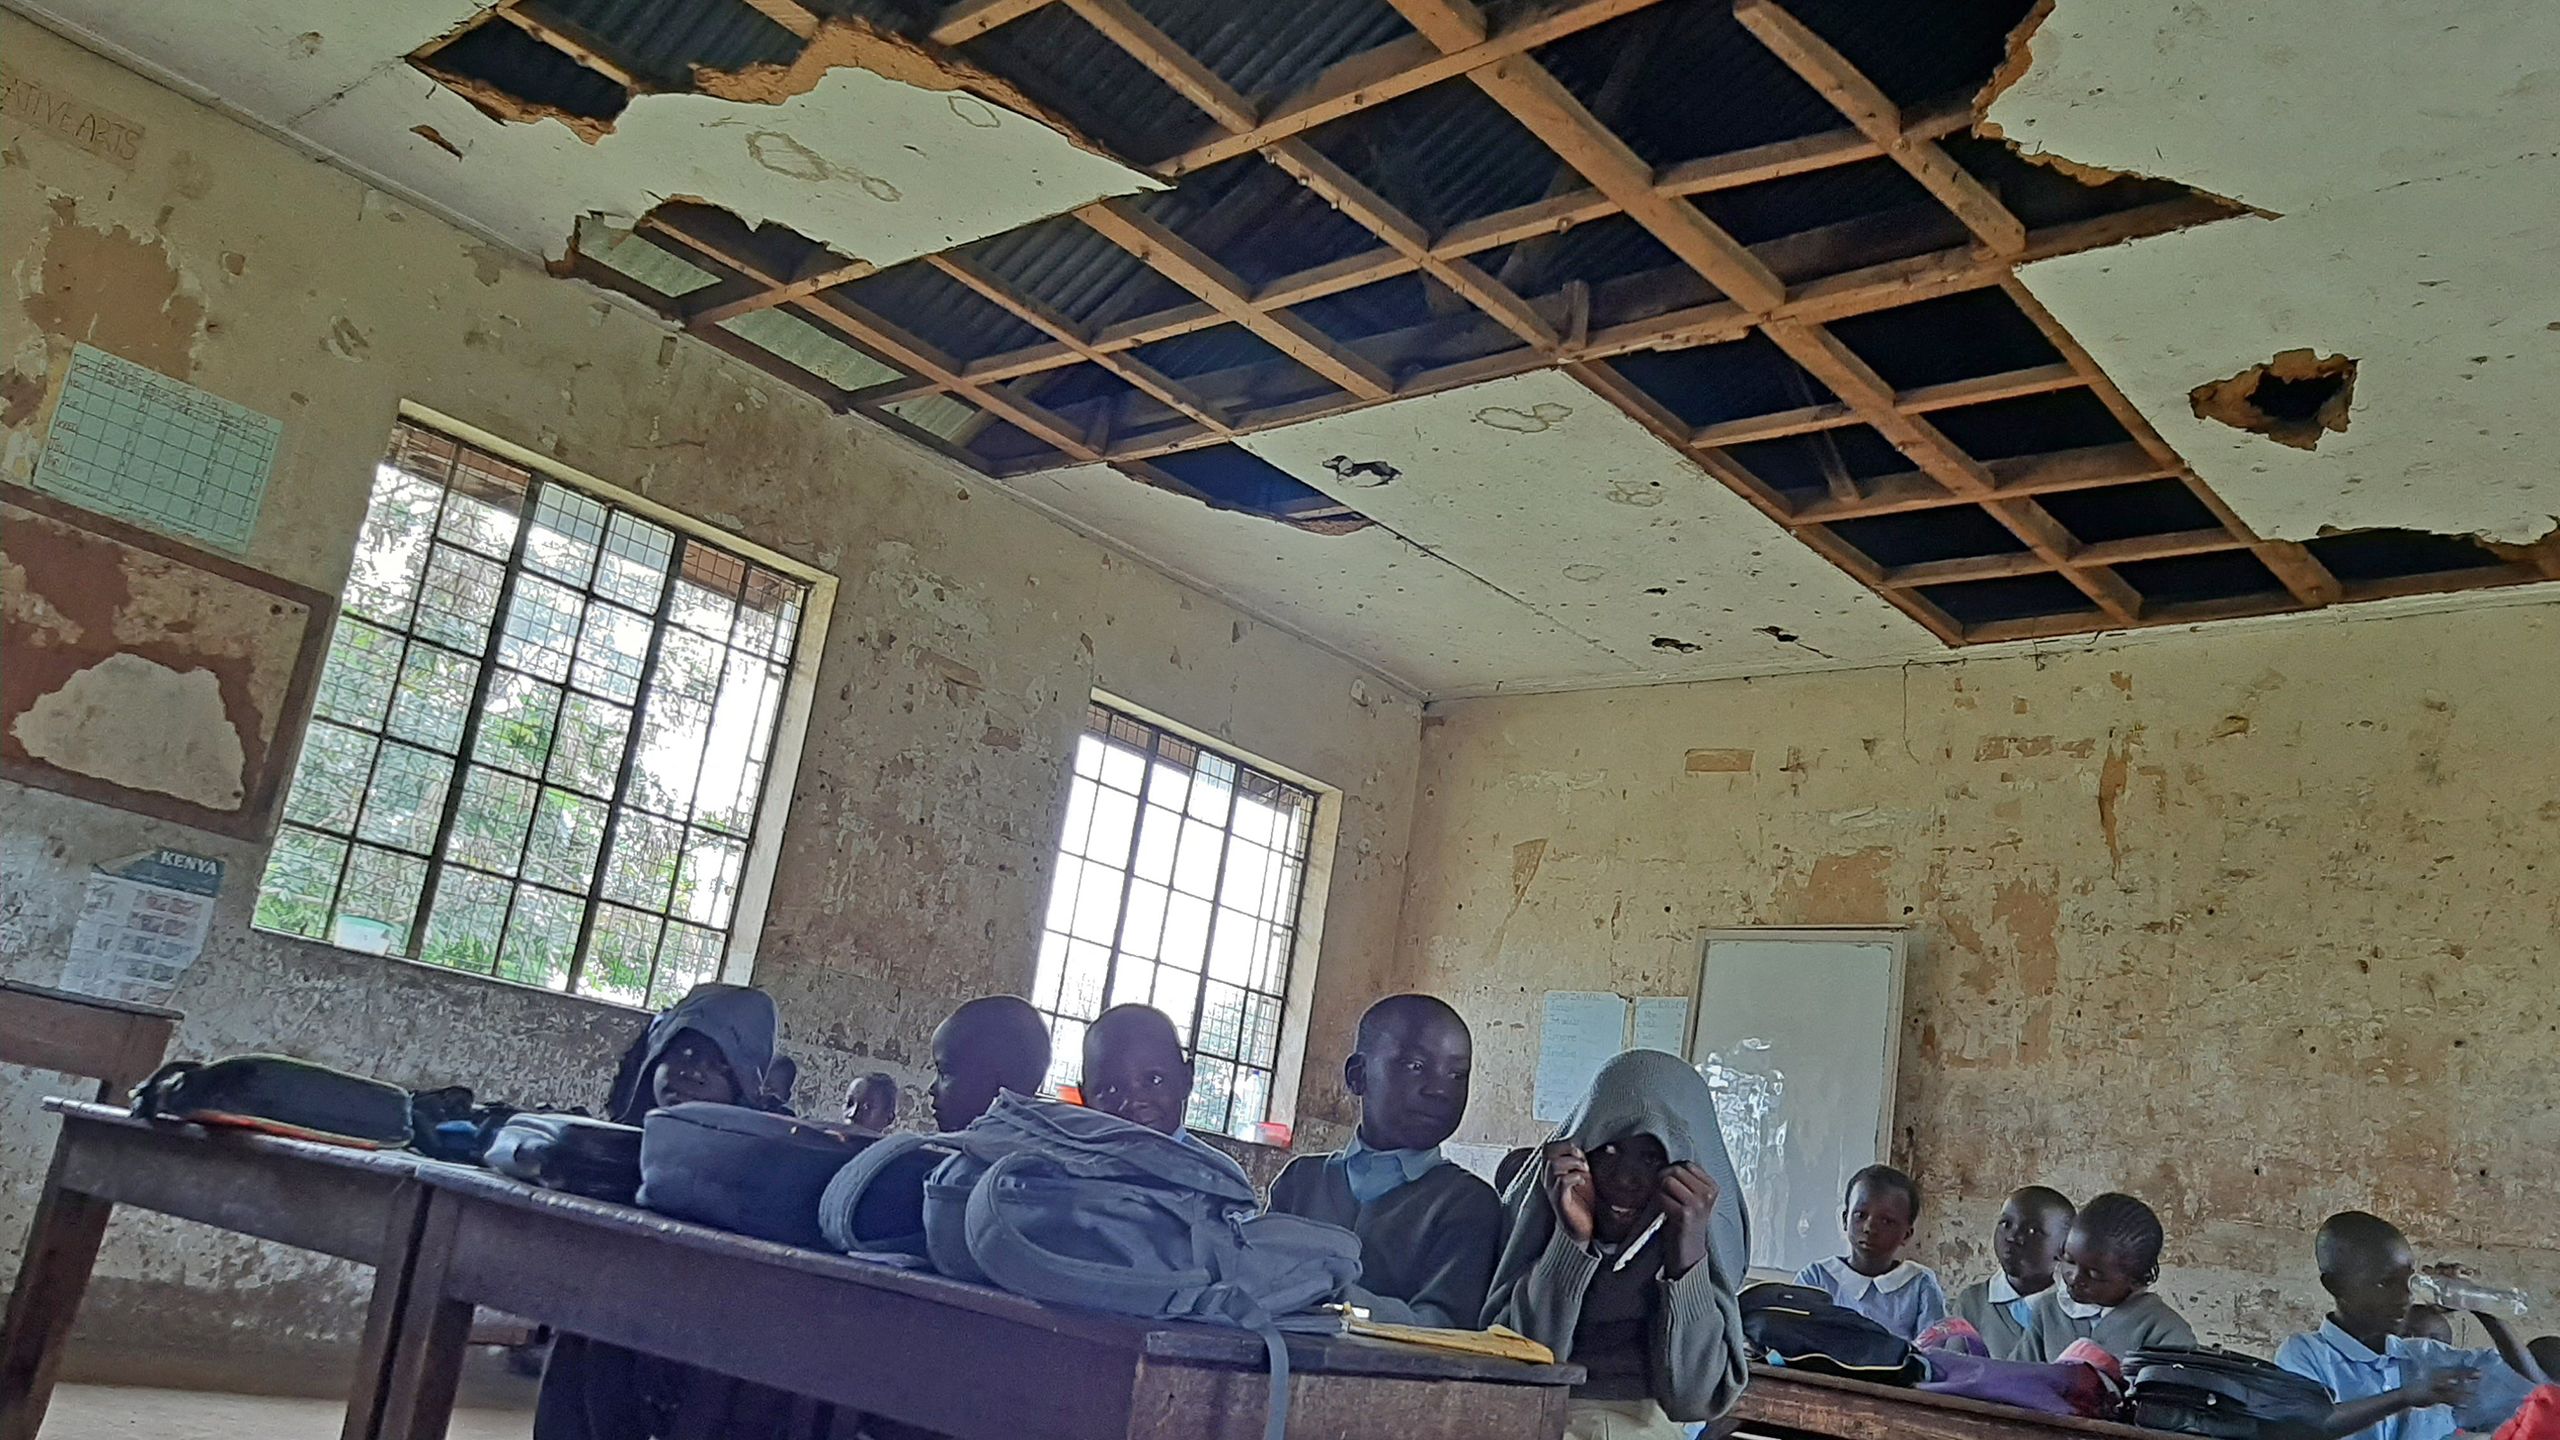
<point x="788" y="600"/>
<point x="1292" y="805"/>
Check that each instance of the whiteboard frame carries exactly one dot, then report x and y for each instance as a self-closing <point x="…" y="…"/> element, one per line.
<point x="1897" y="936"/>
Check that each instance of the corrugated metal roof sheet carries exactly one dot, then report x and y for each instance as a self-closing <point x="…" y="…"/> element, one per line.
<point x="1683" y="79"/>
<point x="1442" y="155"/>
<point x="1268" y="50"/>
<point x="1066" y="266"/>
<point x="662" y="40"/>
<point x="925" y="302"/>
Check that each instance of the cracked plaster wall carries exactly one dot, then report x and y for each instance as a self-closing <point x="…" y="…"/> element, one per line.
<point x="2257" y="924"/>
<point x="966" y="636"/>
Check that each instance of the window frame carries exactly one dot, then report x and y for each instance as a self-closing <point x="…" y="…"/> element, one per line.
<point x="793" y="709"/>
<point x="1305" y="915"/>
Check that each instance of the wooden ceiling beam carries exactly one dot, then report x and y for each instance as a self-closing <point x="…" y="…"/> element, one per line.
<point x="1178" y="261"/>
<point x="1398" y="68"/>
<point x="1145" y="43"/>
<point x="1875" y="115"/>
<point x="1540" y="102"/>
<point x="574" y="43"/>
<point x="972" y="18"/>
<point x="2309" y="581"/>
<point x="2112" y="552"/>
<point x="791" y="15"/>
<point x="1058" y="327"/>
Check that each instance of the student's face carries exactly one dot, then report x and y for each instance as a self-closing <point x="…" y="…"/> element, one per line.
<point x="964" y="1083"/>
<point x="1413" y="1084"/>
<point x="2028" y="1241"/>
<point x="871" y="1105"/>
<point x="2373" y="1291"/>
<point x="692" y="1068"/>
<point x="1141" y="1080"/>
<point x="1878" y="1220"/>
<point x="1627" y="1174"/>
<point x="2097" y="1274"/>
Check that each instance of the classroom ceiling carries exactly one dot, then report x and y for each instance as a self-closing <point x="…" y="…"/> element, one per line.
<point x="1522" y="343"/>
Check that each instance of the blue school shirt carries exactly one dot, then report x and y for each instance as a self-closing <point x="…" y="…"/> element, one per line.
<point x="2348" y="1370"/>
<point x="2004" y="1291"/>
<point x="1373" y="1174"/>
<point x="1906" y="1299"/>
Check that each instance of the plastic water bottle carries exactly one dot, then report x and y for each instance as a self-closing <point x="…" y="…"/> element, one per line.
<point x="2459" y="1292"/>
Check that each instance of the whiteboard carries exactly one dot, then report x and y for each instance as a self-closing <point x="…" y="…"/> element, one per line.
<point x="1797" y="1033"/>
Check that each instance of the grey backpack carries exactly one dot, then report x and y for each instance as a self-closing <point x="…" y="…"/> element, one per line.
<point x="1065" y="1204"/>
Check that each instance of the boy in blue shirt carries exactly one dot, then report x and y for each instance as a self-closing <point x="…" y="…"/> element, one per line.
<point x="1903" y="1296"/>
<point x="2388" y="1385"/>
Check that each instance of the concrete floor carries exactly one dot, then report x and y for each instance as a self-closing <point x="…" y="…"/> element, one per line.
<point x="119" y="1412"/>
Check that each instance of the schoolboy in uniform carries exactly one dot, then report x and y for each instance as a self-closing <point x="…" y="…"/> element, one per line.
<point x="1879" y="1213"/>
<point x="1427" y="1228"/>
<point x="1135" y="1068"/>
<point x="991" y="1044"/>
<point x="2027" y="1241"/>
<point x="2109" y="1264"/>
<point x="2387" y="1384"/>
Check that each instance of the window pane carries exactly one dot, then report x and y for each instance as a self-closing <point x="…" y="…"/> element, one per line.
<point x="567" y="528"/>
<point x="541" y="936"/>
<point x="379" y="901"/>
<point x="405" y="800"/>
<point x="561" y="849"/>
<point x="469" y="915"/>
<point x="617" y="762"/>
<point x="329" y="779"/>
<point x="434" y="697"/>
<point x="355" y="684"/>
<point x="460" y="597"/>
<point x="516" y="723"/>
<point x="619" y="954"/>
<point x="489" y="828"/>
<point x="302" y="873"/>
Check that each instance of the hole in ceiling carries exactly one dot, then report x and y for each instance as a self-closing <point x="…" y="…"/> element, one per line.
<point x="2293" y="399"/>
<point x="1368" y="474"/>
<point x="509" y="75"/>
<point x="1675" y="646"/>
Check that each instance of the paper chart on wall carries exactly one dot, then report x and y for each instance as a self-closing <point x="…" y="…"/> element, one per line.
<point x="1578" y="1030"/>
<point x="142" y="923"/>
<point x="130" y="442"/>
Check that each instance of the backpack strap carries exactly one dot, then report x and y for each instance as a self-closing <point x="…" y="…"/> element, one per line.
<point x="855" y="1213"/>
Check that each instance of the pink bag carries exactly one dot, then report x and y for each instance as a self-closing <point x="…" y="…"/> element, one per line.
<point x="2537" y="1419"/>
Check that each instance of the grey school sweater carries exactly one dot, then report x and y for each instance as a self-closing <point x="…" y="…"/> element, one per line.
<point x="2001" y="1333"/>
<point x="2144" y="1320"/>
<point x="1426" y="1247"/>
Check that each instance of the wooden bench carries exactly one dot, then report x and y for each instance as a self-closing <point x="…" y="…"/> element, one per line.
<point x="1792" y="1405"/>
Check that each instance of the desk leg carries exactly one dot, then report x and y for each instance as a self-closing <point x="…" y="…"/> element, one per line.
<point x="423" y="1366"/>
<point x="392" y="1278"/>
<point x="62" y="1248"/>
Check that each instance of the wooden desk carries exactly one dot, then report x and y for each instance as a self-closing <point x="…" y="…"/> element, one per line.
<point x="114" y="1042"/>
<point x="963" y="1360"/>
<point x="364" y="1206"/>
<point x="1792" y="1405"/>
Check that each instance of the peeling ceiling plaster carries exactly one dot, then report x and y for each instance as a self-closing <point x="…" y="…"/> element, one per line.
<point x="1415" y="618"/>
<point x="1549" y="495"/>
<point x="877" y="169"/>
<point x="2412" y="159"/>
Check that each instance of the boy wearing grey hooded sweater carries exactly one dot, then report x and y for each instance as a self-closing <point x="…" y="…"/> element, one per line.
<point x="1627" y="1239"/>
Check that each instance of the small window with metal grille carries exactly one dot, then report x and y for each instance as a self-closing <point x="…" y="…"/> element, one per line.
<point x="1181" y="873"/>
<point x="541" y="737"/>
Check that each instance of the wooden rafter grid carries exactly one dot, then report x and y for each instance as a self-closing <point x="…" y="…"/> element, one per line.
<point x="1604" y="177"/>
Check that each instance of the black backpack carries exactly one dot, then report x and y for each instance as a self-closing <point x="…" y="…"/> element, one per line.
<point x="2222" y="1394"/>
<point x="1802" y="1328"/>
<point x="279" y="1095"/>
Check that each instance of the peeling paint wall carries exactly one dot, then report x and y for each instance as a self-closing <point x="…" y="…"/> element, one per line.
<point x="2257" y="924"/>
<point x="968" y="632"/>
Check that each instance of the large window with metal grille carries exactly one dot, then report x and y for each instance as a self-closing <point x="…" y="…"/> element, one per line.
<point x="1181" y="871"/>
<point x="542" y="733"/>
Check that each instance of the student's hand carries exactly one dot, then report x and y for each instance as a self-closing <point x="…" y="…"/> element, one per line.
<point x="1688" y="1201"/>
<point x="2453" y="1387"/>
<point x="1569" y="1190"/>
